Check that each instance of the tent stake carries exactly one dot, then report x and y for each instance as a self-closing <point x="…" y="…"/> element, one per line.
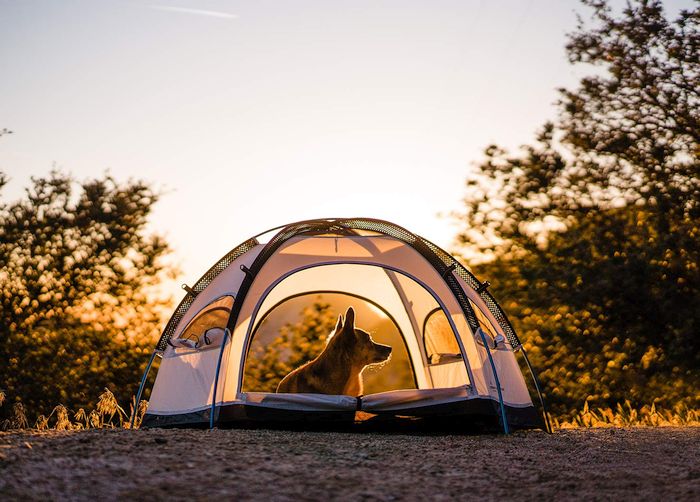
<point x="216" y="379"/>
<point x="498" y="383"/>
<point x="140" y="392"/>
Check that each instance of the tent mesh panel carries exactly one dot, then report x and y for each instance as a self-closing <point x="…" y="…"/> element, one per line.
<point x="199" y="286"/>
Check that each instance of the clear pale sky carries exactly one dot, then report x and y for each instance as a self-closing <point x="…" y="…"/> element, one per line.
<point x="254" y="114"/>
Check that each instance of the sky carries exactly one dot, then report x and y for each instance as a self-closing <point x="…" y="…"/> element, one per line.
<point x="249" y="115"/>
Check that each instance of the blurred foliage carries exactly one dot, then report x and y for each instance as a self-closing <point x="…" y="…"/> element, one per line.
<point x="297" y="344"/>
<point x="78" y="286"/>
<point x="592" y="233"/>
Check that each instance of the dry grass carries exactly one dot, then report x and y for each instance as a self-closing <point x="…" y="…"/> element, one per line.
<point x="627" y="416"/>
<point x="107" y="406"/>
<point x="109" y="414"/>
<point x="140" y="412"/>
<point x="19" y="418"/>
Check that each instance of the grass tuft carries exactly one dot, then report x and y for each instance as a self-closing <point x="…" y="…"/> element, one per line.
<point x="107" y="406"/>
<point x="81" y="419"/>
<point x="19" y="420"/>
<point x="42" y="423"/>
<point x="140" y="412"/>
<point x="94" y="420"/>
<point x="63" y="423"/>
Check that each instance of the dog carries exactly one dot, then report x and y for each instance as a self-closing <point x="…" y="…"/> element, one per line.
<point x="337" y="369"/>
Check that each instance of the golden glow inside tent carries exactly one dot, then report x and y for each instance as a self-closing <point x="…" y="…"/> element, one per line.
<point x="460" y="345"/>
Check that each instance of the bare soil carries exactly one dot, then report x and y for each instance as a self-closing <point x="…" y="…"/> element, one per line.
<point x="592" y="464"/>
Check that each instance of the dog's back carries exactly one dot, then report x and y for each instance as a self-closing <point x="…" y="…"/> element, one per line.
<point x="337" y="370"/>
<point x="304" y="379"/>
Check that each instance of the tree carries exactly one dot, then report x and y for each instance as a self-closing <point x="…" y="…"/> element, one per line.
<point x="79" y="310"/>
<point x="593" y="231"/>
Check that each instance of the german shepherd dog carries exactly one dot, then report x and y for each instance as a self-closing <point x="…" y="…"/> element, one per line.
<point x="337" y="368"/>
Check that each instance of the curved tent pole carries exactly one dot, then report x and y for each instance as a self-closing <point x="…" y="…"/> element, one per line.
<point x="498" y="383"/>
<point x="547" y="424"/>
<point x="140" y="391"/>
<point x="227" y="333"/>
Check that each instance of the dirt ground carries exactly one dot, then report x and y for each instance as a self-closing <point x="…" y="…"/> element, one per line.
<point x="594" y="464"/>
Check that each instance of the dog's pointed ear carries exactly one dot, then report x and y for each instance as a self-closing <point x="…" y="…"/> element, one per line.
<point x="349" y="319"/>
<point x="339" y="324"/>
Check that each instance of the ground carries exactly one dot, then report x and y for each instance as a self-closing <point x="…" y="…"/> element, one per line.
<point x="618" y="464"/>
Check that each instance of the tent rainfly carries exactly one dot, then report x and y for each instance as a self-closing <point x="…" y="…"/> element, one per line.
<point x="459" y="347"/>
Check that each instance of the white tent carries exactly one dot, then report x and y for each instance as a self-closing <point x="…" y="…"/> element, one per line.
<point x="459" y="343"/>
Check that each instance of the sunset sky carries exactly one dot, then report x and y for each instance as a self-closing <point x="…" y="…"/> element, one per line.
<point x="248" y="115"/>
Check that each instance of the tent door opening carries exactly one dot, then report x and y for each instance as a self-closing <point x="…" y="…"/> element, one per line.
<point x="290" y="325"/>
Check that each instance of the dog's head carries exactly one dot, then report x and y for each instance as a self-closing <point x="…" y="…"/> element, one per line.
<point x="359" y="344"/>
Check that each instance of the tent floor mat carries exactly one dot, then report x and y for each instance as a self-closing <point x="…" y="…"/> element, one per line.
<point x="472" y="416"/>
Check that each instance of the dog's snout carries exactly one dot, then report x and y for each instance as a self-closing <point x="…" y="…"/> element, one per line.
<point x="382" y="352"/>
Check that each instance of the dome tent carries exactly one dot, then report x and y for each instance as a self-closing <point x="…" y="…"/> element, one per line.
<point x="460" y="347"/>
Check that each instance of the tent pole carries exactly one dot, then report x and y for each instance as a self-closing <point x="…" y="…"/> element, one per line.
<point x="140" y="391"/>
<point x="216" y="379"/>
<point x="498" y="383"/>
<point x="548" y="426"/>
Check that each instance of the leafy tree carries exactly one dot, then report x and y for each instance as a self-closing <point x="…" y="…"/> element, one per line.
<point x="77" y="277"/>
<point x="296" y="344"/>
<point x="593" y="231"/>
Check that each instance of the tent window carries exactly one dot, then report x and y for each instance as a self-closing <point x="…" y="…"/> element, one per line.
<point x="207" y="327"/>
<point x="440" y="341"/>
